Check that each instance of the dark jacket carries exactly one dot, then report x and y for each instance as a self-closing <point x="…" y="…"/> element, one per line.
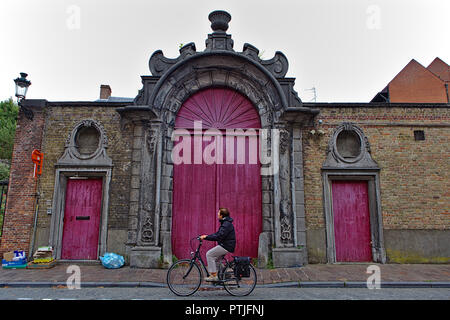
<point x="225" y="236"/>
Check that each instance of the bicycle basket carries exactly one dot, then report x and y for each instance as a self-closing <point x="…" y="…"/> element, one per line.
<point x="242" y="267"/>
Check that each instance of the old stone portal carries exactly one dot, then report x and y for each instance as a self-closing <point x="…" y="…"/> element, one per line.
<point x="155" y="226"/>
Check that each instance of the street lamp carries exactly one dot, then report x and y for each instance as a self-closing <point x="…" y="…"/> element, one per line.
<point x="22" y="85"/>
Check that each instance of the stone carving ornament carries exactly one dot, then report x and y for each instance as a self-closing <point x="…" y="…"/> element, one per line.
<point x="285" y="223"/>
<point x="152" y="140"/>
<point x="147" y="197"/>
<point x="73" y="156"/>
<point x="159" y="64"/>
<point x="349" y="148"/>
<point x="147" y="230"/>
<point x="219" y="41"/>
<point x="284" y="140"/>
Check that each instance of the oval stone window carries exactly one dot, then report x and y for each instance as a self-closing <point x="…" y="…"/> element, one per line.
<point x="87" y="140"/>
<point x="348" y="144"/>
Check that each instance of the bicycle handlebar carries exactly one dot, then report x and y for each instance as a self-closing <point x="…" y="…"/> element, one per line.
<point x="196" y="238"/>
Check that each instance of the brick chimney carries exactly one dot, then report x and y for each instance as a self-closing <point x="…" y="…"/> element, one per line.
<point x="105" y="91"/>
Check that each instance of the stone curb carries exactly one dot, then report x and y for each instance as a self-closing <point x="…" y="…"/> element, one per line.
<point x="118" y="284"/>
<point x="305" y="284"/>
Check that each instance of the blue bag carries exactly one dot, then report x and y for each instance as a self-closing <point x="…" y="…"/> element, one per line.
<point x="112" y="260"/>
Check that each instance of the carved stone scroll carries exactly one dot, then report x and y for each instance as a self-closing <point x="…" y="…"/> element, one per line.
<point x="159" y="64"/>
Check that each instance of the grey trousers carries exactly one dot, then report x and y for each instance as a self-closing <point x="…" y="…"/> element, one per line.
<point x="212" y="257"/>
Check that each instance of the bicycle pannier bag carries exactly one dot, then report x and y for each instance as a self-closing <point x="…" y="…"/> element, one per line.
<point x="242" y="267"/>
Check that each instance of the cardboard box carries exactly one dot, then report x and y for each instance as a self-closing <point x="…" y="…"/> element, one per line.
<point x="15" y="255"/>
<point x="43" y="254"/>
<point x="8" y="256"/>
<point x="33" y="265"/>
<point x="19" y="264"/>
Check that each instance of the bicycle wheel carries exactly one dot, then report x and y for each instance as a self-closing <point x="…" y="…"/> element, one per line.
<point x="242" y="287"/>
<point x="184" y="277"/>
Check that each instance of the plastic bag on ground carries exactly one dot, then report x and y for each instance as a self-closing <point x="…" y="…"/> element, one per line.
<point x="112" y="260"/>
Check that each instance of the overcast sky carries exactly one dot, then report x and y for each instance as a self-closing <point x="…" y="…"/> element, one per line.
<point x="347" y="50"/>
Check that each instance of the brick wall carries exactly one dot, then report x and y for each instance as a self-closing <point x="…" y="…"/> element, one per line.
<point x="48" y="132"/>
<point x="60" y="121"/>
<point x="19" y="215"/>
<point x="414" y="175"/>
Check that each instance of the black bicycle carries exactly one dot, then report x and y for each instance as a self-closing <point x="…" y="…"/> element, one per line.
<point x="184" y="277"/>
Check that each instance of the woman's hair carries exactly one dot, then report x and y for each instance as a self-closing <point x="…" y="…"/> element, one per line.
<point x="224" y="212"/>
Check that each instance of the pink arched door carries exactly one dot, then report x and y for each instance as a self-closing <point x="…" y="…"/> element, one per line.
<point x="234" y="182"/>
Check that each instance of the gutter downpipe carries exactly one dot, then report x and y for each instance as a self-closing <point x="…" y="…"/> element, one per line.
<point x="35" y="221"/>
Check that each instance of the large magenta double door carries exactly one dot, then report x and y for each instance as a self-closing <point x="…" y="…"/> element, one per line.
<point x="228" y="174"/>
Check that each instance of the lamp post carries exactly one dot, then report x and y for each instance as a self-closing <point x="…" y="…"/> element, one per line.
<point x="22" y="85"/>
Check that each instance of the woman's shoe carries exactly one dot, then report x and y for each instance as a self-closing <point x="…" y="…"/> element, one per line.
<point x="212" y="278"/>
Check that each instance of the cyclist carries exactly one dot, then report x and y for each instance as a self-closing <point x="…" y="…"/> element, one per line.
<point x="226" y="239"/>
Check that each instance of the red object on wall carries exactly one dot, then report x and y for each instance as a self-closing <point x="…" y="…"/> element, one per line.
<point x="351" y="221"/>
<point x="38" y="158"/>
<point x="199" y="190"/>
<point x="82" y="219"/>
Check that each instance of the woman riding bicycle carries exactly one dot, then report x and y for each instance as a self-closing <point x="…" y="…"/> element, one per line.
<point x="226" y="239"/>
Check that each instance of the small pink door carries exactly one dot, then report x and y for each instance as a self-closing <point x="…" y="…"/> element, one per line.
<point x="351" y="221"/>
<point x="82" y="219"/>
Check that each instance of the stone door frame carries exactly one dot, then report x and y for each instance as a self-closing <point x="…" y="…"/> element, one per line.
<point x="359" y="167"/>
<point x="73" y="164"/>
<point x="58" y="205"/>
<point x="376" y="226"/>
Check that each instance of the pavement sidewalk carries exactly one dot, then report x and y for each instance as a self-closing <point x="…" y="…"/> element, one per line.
<point x="311" y="275"/>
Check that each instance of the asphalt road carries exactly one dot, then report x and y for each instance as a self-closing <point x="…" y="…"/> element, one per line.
<point x="263" y="303"/>
<point x="257" y="294"/>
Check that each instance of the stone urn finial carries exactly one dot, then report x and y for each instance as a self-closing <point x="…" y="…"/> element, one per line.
<point x="219" y="20"/>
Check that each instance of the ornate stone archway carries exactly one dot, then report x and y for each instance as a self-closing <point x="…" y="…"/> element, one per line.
<point x="152" y="117"/>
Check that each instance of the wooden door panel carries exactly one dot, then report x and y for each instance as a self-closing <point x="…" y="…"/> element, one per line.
<point x="351" y="221"/>
<point x="82" y="219"/>
<point x="193" y="208"/>
<point x="239" y="190"/>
